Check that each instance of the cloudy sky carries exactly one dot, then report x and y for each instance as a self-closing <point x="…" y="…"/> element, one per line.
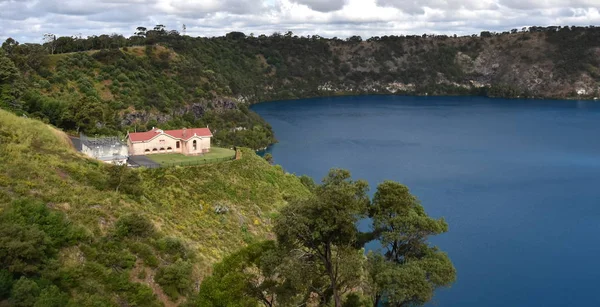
<point x="28" y="20"/>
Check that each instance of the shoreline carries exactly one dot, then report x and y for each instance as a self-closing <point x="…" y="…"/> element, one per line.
<point x="262" y="151"/>
<point x="594" y="99"/>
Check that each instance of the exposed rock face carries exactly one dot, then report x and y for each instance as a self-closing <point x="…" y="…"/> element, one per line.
<point x="197" y="109"/>
<point x="223" y="103"/>
<point x="136" y="117"/>
<point x="532" y="64"/>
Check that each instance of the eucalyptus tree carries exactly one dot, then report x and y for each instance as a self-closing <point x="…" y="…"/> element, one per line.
<point x="408" y="269"/>
<point x="318" y="257"/>
<point x="322" y="230"/>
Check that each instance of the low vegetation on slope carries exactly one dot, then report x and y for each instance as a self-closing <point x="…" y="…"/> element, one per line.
<point x="77" y="232"/>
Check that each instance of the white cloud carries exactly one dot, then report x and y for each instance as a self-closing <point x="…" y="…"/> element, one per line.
<point x="323" y="6"/>
<point x="28" y="20"/>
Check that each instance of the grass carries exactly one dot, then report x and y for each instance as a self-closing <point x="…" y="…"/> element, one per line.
<point x="215" y="154"/>
<point x="38" y="164"/>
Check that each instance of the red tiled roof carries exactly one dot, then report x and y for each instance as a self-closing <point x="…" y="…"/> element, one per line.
<point x="183" y="134"/>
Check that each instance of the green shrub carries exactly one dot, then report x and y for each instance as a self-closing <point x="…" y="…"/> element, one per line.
<point x="23" y="249"/>
<point x="145" y="252"/>
<point x="134" y="225"/>
<point x="6" y="283"/>
<point x="52" y="297"/>
<point x="24" y="292"/>
<point x="174" y="247"/>
<point x="175" y="279"/>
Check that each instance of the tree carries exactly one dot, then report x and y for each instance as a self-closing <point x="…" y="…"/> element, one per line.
<point x="485" y="34"/>
<point x="160" y="30"/>
<point x="319" y="252"/>
<point x="9" y="45"/>
<point x="322" y="229"/>
<point x="10" y="83"/>
<point x="141" y="32"/>
<point x="409" y="270"/>
<point x="260" y="273"/>
<point x="52" y="297"/>
<point x="24" y="292"/>
<point x="50" y="42"/>
<point x="87" y="114"/>
<point x="6" y="283"/>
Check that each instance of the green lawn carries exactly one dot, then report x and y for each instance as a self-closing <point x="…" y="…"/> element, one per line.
<point x="216" y="154"/>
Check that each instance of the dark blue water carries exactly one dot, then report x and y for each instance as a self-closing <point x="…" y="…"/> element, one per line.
<point x="518" y="182"/>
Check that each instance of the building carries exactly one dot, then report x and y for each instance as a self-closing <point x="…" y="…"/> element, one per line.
<point x="106" y="149"/>
<point x="193" y="141"/>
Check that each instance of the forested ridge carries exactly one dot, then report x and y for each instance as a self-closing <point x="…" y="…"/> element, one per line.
<point x="111" y="84"/>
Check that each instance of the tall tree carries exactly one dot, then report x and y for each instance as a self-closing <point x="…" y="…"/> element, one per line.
<point x="9" y="45"/>
<point x="323" y="230"/>
<point x="410" y="269"/>
<point x="259" y="273"/>
<point x="10" y="83"/>
<point x="141" y="32"/>
<point x="50" y="42"/>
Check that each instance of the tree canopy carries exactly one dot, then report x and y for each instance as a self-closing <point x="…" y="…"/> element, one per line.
<point x="318" y="256"/>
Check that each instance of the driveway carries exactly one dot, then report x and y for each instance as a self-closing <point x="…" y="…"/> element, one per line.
<point x="143" y="161"/>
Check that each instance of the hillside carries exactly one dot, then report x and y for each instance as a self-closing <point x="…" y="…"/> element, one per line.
<point x="108" y="84"/>
<point x="77" y="232"/>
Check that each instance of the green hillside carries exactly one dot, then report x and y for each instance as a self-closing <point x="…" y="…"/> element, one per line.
<point x="112" y="84"/>
<point x="79" y="232"/>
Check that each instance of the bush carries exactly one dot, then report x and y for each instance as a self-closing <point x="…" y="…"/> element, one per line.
<point x="134" y="225"/>
<point x="6" y="283"/>
<point x="175" y="248"/>
<point x="23" y="249"/>
<point x="52" y="297"/>
<point x="175" y="279"/>
<point x="145" y="252"/>
<point x="24" y="293"/>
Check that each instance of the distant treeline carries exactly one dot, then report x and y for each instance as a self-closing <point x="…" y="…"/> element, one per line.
<point x="159" y="34"/>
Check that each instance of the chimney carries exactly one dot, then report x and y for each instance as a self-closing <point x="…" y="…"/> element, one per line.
<point x="184" y="132"/>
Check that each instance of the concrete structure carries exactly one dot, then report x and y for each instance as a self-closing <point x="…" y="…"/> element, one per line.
<point x="106" y="149"/>
<point x="193" y="141"/>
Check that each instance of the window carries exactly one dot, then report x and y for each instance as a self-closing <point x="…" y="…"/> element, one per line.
<point x="194" y="145"/>
<point x="177" y="145"/>
<point x="154" y="149"/>
<point x="147" y="150"/>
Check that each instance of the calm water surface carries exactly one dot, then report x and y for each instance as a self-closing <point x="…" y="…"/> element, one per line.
<point x="518" y="182"/>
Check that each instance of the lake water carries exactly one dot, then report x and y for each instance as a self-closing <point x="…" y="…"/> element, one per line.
<point x="518" y="182"/>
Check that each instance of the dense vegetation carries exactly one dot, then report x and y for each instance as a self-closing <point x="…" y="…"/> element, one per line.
<point x="112" y="84"/>
<point x="318" y="258"/>
<point x="78" y="232"/>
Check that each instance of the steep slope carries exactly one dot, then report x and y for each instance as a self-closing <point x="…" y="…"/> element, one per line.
<point x="119" y="236"/>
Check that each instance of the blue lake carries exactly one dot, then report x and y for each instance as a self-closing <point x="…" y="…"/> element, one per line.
<point x="518" y="182"/>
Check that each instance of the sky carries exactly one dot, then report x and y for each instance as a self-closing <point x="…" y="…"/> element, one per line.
<point x="28" y="20"/>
